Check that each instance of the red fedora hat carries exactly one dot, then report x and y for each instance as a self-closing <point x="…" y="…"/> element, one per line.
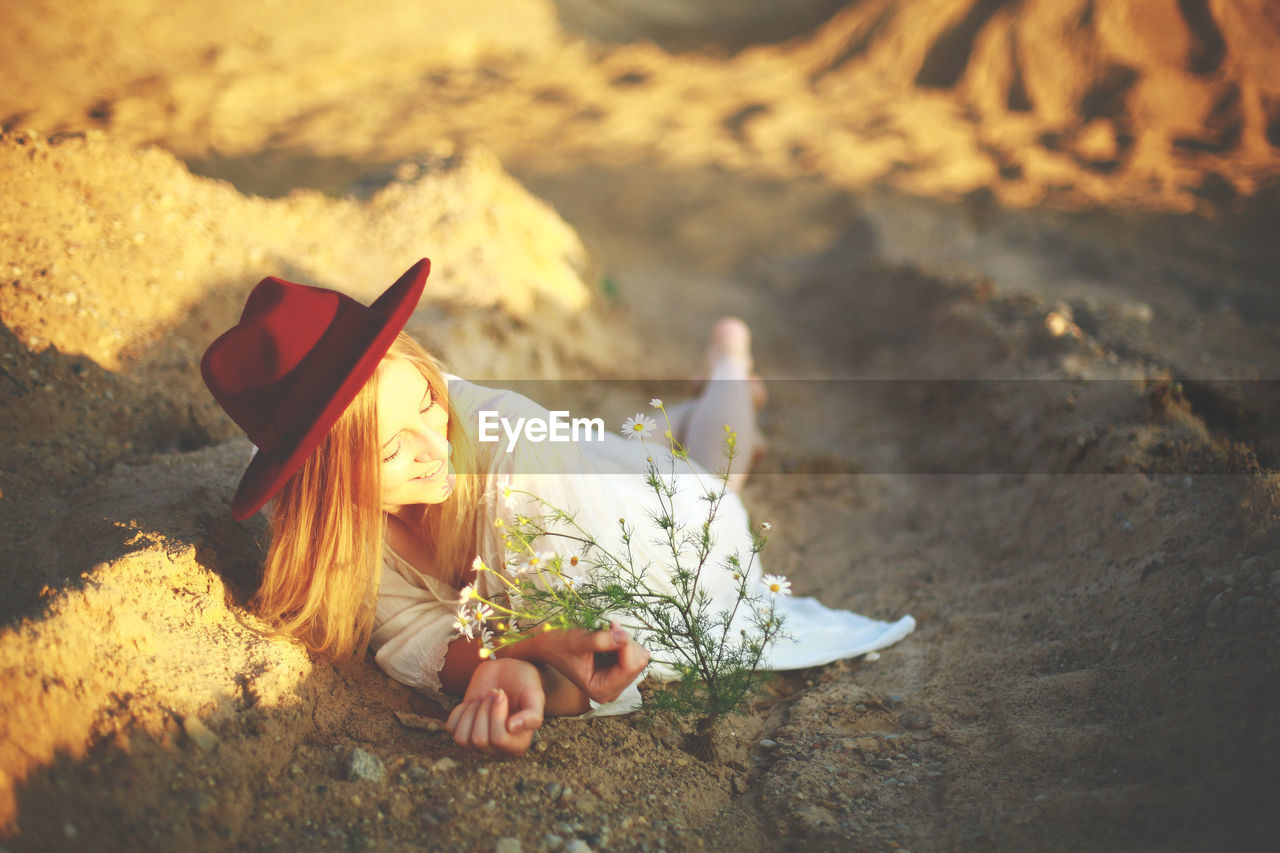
<point x="288" y="370"/>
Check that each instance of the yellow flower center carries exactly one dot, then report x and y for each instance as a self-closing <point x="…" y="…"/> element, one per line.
<point x="638" y="427"/>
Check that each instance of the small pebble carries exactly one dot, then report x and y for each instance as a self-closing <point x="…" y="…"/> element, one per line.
<point x="577" y="845"/>
<point x="552" y="841"/>
<point x="860" y="708"/>
<point x="1213" y="611"/>
<point x="871" y="656"/>
<point x="1247" y="601"/>
<point x="508" y="845"/>
<point x="915" y="722"/>
<point x="400" y="807"/>
<point x="893" y="700"/>
<point x="444" y="765"/>
<point x="199" y="733"/>
<point x="1248" y="620"/>
<point x="364" y="765"/>
<point x="202" y="803"/>
<point x="767" y="743"/>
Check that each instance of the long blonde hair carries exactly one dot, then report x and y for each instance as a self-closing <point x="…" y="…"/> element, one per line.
<point x="320" y="581"/>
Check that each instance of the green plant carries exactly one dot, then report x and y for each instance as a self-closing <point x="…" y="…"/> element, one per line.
<point x="712" y="645"/>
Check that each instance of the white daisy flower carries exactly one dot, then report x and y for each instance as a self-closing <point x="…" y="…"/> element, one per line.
<point x="538" y="560"/>
<point x="776" y="584"/>
<point x="766" y="526"/>
<point x="483" y="613"/>
<point x="465" y="623"/>
<point x="468" y="592"/>
<point x="639" y="425"/>
<point x="508" y="494"/>
<point x="656" y="402"/>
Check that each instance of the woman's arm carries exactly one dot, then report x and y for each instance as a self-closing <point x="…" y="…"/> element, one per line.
<point x="598" y="664"/>
<point x="563" y="697"/>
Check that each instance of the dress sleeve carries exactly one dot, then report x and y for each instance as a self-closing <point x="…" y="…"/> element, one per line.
<point x="412" y="630"/>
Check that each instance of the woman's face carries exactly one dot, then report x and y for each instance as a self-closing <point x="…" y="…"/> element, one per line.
<point x="412" y="432"/>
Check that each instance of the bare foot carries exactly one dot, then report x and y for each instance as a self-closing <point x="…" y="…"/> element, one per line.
<point x="729" y="357"/>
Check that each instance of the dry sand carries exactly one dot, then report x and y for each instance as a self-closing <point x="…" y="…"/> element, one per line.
<point x="1011" y="269"/>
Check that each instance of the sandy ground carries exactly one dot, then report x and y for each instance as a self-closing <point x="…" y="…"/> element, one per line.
<point x="1011" y="270"/>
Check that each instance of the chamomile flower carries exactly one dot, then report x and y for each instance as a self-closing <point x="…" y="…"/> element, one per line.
<point x="465" y="624"/>
<point x="656" y="402"/>
<point x="639" y="425"/>
<point x="766" y="526"/>
<point x="468" y="592"/>
<point x="776" y="584"/>
<point x="508" y="493"/>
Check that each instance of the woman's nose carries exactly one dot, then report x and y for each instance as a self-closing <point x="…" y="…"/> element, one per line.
<point x="431" y="445"/>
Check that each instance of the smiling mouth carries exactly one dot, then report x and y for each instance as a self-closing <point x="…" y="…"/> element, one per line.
<point x="432" y="474"/>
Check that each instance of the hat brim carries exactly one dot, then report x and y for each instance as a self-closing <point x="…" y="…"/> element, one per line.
<point x="267" y="473"/>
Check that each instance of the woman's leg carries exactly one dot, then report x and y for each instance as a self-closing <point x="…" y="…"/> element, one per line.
<point x="731" y="396"/>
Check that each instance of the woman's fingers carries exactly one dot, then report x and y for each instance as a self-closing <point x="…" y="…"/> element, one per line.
<point x="461" y="720"/>
<point x="633" y="658"/>
<point x="480" y="728"/>
<point x="469" y="722"/>
<point x="582" y="642"/>
<point x="529" y="716"/>
<point x="608" y="683"/>
<point x="482" y="723"/>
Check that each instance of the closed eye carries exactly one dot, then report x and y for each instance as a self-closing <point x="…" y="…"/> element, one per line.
<point x="428" y="403"/>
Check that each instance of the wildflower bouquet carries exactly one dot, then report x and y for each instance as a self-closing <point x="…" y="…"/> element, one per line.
<point x="712" y="643"/>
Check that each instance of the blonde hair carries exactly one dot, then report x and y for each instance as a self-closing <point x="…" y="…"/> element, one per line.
<point x="320" y="581"/>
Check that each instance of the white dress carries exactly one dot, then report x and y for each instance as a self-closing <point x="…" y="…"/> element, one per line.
<point x="597" y="482"/>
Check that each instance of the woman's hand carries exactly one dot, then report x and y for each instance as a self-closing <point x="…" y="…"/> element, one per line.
<point x="600" y="663"/>
<point x="502" y="707"/>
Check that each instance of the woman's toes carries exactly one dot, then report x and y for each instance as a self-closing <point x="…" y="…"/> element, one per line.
<point x="730" y="341"/>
